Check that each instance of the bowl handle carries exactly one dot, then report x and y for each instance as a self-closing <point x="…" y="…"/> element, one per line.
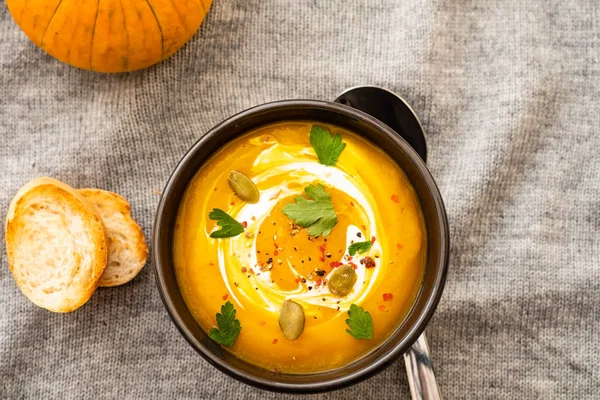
<point x="393" y="111"/>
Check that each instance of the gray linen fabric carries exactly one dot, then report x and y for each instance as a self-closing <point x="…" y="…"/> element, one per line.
<point x="509" y="93"/>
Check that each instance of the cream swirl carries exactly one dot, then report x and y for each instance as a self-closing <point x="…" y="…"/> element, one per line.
<point x="241" y="250"/>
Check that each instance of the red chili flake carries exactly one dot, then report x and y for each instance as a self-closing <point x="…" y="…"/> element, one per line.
<point x="340" y="251"/>
<point x="262" y="323"/>
<point x="251" y="271"/>
<point x="335" y="264"/>
<point x="319" y="282"/>
<point x="350" y="258"/>
<point x="211" y="264"/>
<point x="225" y="297"/>
<point x="322" y="250"/>
<point x="352" y="203"/>
<point x="399" y="246"/>
<point x="368" y="262"/>
<point x="382" y="308"/>
<point x="253" y="218"/>
<point x="373" y="240"/>
<point x="388" y="297"/>
<point x="298" y="280"/>
<point x="275" y="244"/>
<point x="275" y="253"/>
<point x="245" y="224"/>
<point x="364" y="228"/>
<point x="232" y="203"/>
<point x="394" y="198"/>
<point x="353" y="265"/>
<point x="275" y="341"/>
<point x="244" y="269"/>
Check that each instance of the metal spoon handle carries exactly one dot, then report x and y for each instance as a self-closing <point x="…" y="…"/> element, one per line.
<point x="392" y="110"/>
<point x="419" y="368"/>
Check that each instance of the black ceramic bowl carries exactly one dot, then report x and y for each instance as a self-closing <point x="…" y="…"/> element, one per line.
<point x="437" y="245"/>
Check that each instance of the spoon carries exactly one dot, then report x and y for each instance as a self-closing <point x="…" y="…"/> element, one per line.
<point x="393" y="111"/>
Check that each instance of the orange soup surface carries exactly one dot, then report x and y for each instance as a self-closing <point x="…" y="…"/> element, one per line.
<point x="275" y="259"/>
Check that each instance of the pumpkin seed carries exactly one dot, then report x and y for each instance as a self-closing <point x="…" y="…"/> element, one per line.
<point x="342" y="280"/>
<point x="243" y="187"/>
<point x="291" y="319"/>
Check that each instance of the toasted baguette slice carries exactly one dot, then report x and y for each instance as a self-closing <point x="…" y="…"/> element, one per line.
<point x="127" y="250"/>
<point x="56" y="245"/>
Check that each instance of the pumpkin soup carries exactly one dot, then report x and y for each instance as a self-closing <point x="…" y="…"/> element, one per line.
<point x="299" y="246"/>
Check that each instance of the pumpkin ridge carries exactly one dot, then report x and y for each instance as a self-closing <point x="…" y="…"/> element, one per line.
<point x="49" y="23"/>
<point x="162" y="37"/>
<point x="178" y="13"/>
<point x="203" y="10"/>
<point x="21" y="13"/>
<point x="126" y="33"/>
<point x="94" y="34"/>
<point x="179" y="16"/>
<point x="200" y="6"/>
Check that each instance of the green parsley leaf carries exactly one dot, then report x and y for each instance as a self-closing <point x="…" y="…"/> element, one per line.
<point x="317" y="215"/>
<point x="360" y="247"/>
<point x="229" y="327"/>
<point x="360" y="323"/>
<point x="328" y="149"/>
<point x="229" y="226"/>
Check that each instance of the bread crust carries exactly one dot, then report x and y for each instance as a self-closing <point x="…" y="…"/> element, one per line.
<point x="127" y="249"/>
<point x="56" y="245"/>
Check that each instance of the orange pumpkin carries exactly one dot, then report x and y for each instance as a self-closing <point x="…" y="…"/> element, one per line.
<point x="109" y="35"/>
